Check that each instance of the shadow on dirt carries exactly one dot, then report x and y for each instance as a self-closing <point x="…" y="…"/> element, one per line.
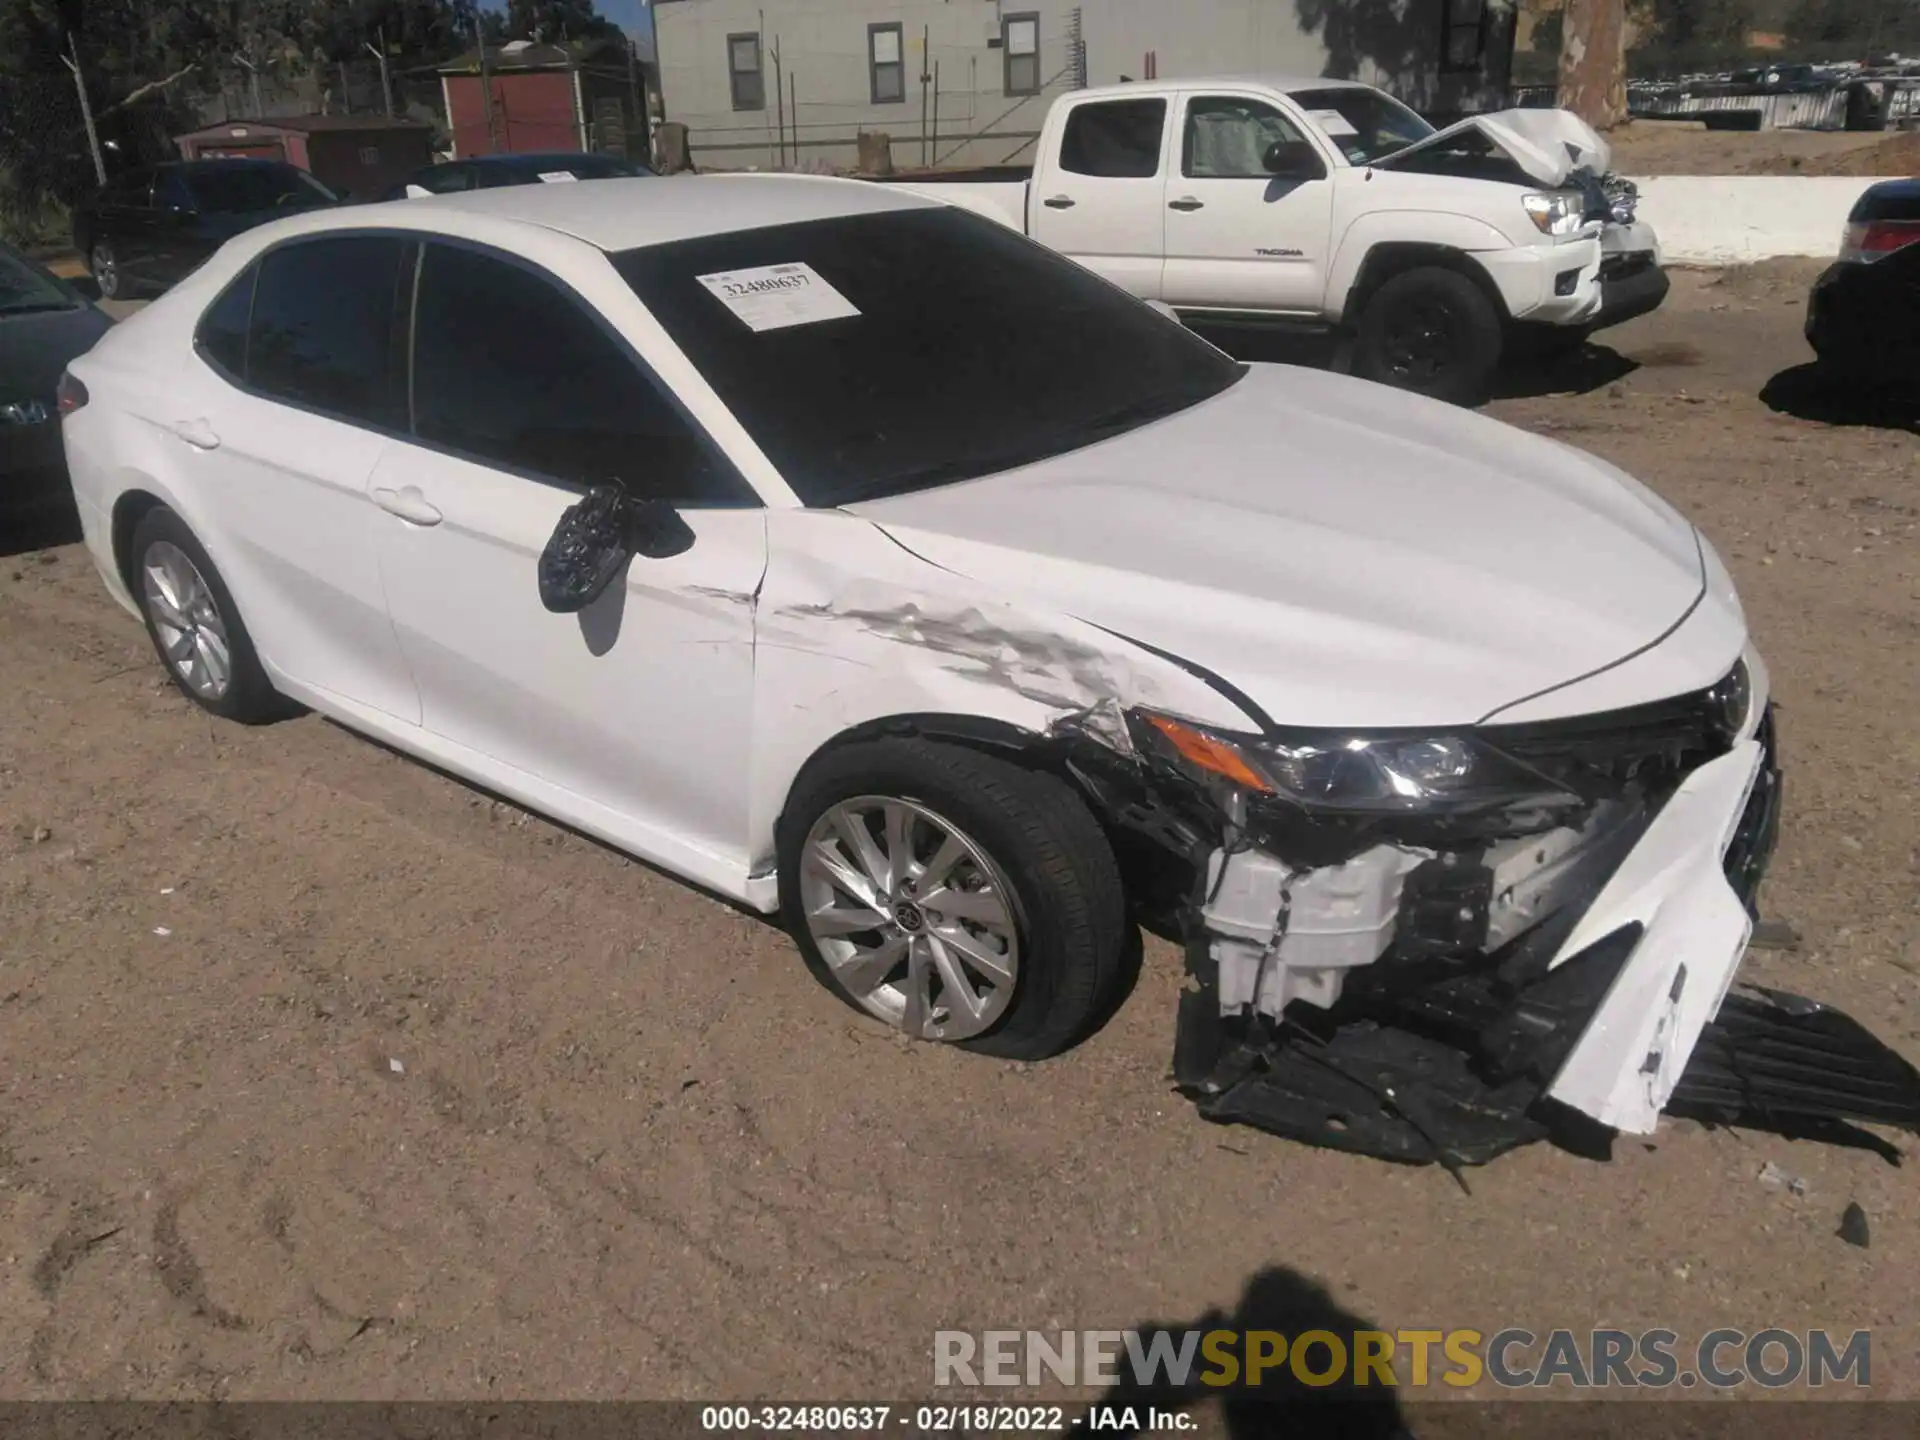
<point x="1579" y="371"/>
<point x="1289" y="1305"/>
<point x="1528" y="374"/>
<point x="1807" y="392"/>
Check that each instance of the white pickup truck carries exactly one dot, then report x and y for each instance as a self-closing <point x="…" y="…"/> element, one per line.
<point x="1329" y="205"/>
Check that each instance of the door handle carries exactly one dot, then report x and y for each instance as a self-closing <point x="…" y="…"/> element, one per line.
<point x="1187" y="203"/>
<point x="197" y="433"/>
<point x="1059" y="202"/>
<point x="409" y="504"/>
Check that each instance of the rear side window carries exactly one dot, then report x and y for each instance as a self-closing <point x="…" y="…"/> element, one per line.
<point x="327" y="328"/>
<point x="222" y="334"/>
<point x="1114" y="139"/>
<point x="510" y="368"/>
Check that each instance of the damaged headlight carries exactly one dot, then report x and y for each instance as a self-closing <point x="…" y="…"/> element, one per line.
<point x="1560" y="213"/>
<point x="1356" y="774"/>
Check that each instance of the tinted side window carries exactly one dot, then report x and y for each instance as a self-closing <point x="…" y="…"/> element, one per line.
<point x="1114" y="139"/>
<point x="170" y="192"/>
<point x="328" y="316"/>
<point x="134" y="190"/>
<point x="445" y="179"/>
<point x="512" y="369"/>
<point x="222" y="334"/>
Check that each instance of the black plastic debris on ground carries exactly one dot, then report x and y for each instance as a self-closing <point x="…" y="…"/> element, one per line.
<point x="1769" y="1061"/>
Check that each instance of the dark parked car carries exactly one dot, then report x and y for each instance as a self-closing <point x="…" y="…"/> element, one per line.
<point x="44" y="323"/>
<point x="1863" y="317"/>
<point x="484" y="172"/>
<point x="154" y="227"/>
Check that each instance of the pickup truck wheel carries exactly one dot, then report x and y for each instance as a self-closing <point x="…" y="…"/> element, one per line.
<point x="954" y="896"/>
<point x="1431" y="331"/>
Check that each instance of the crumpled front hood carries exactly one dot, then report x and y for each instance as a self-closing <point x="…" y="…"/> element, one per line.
<point x="1344" y="553"/>
<point x="1548" y="144"/>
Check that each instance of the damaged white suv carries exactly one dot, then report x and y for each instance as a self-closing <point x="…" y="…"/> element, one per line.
<point x="851" y="555"/>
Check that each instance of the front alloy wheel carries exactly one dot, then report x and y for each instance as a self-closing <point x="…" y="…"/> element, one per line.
<point x="954" y="895"/>
<point x="912" y="918"/>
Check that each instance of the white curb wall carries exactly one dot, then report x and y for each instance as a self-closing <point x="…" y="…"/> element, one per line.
<point x="1734" y="219"/>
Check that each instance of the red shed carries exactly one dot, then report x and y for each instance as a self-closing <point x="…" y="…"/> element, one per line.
<point x="355" y="155"/>
<point x="540" y="97"/>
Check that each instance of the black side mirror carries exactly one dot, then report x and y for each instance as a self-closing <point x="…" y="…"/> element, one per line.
<point x="1294" y="160"/>
<point x="597" y="536"/>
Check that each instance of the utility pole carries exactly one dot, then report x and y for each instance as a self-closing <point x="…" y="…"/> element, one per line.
<point x="486" y="84"/>
<point x="386" y="85"/>
<point x="253" y="72"/>
<point x="640" y="115"/>
<point x="1593" y="61"/>
<point x="72" y="61"/>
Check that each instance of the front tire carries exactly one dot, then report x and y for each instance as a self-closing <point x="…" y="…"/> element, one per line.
<point x="1431" y="331"/>
<point x="953" y="895"/>
<point x="195" y="626"/>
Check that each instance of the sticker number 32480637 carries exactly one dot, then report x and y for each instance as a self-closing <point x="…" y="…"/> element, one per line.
<point x="774" y="297"/>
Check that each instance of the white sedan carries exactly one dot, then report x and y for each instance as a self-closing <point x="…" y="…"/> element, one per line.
<point x="852" y="556"/>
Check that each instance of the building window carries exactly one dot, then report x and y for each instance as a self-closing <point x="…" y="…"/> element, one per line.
<point x="743" y="72"/>
<point x="1020" y="44"/>
<point x="1463" y="34"/>
<point x="886" y="67"/>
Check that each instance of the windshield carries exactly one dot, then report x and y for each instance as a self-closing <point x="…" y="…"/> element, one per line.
<point x="872" y="355"/>
<point x="242" y="189"/>
<point x="1366" y="125"/>
<point x="24" y="287"/>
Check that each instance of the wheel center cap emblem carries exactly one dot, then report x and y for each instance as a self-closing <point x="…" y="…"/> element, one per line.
<point x="907" y="916"/>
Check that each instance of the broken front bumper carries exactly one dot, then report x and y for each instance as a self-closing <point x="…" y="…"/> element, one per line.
<point x="1674" y="889"/>
<point x="1631" y="284"/>
<point x="1623" y="1012"/>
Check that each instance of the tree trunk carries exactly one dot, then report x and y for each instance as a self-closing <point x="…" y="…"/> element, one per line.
<point x="1593" y="61"/>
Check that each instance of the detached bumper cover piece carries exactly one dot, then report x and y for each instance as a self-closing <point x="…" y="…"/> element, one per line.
<point x="1775" y="1060"/>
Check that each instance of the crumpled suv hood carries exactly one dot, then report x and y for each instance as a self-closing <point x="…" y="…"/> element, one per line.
<point x="1346" y="554"/>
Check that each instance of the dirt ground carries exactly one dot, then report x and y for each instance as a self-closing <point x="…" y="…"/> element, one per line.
<point x="1687" y="147"/>
<point x="325" y="1076"/>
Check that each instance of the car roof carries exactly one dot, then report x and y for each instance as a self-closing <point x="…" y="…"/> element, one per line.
<point x="616" y="214"/>
<point x="1285" y="84"/>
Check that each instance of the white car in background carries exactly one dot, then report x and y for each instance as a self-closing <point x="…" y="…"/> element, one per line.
<point x="852" y="556"/>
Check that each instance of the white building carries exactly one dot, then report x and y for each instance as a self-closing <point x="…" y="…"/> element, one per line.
<point x="767" y="83"/>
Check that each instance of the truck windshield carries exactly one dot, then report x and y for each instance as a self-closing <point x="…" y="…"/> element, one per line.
<point x="872" y="355"/>
<point x="1366" y="125"/>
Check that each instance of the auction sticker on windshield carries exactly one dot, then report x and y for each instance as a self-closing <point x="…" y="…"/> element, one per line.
<point x="774" y="297"/>
<point x="1333" y="122"/>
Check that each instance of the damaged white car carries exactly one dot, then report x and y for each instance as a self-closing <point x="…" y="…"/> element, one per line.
<point x="853" y="556"/>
